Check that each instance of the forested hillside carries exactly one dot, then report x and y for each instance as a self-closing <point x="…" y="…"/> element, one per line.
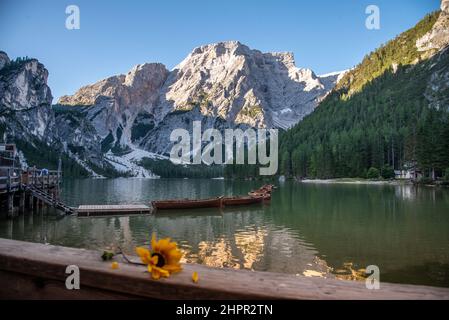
<point x="387" y="113"/>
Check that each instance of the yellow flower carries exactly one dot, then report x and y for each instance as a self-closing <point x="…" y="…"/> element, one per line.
<point x="114" y="265"/>
<point x="163" y="258"/>
<point x="195" y="277"/>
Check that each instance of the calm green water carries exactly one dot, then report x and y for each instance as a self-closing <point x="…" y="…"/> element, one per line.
<point x="312" y="229"/>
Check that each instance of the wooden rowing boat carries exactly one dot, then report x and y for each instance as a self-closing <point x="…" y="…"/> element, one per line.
<point x="267" y="197"/>
<point x="258" y="194"/>
<point x="240" y="201"/>
<point x="266" y="188"/>
<point x="187" y="203"/>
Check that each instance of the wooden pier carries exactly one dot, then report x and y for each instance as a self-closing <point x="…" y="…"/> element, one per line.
<point x="108" y="210"/>
<point x="38" y="271"/>
<point x="27" y="189"/>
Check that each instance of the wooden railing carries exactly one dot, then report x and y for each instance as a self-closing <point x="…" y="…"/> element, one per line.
<point x="38" y="271"/>
<point x="9" y="179"/>
<point x="12" y="179"/>
<point x="40" y="179"/>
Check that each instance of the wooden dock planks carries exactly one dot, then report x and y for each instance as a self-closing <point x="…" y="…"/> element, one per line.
<point x="106" y="210"/>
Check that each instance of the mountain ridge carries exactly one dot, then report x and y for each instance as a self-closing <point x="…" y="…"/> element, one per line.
<point x="225" y="84"/>
<point x="109" y="126"/>
<point x="207" y="67"/>
<point x="386" y="114"/>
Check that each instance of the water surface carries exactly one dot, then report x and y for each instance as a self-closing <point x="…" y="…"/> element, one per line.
<point x="313" y="229"/>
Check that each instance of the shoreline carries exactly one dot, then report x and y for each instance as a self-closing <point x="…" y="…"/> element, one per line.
<point x="357" y="181"/>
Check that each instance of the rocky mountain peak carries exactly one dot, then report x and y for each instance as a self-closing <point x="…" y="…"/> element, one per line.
<point x="23" y="84"/>
<point x="221" y="48"/>
<point x="143" y="75"/>
<point x="445" y="6"/>
<point x="25" y="98"/>
<point x="4" y="59"/>
<point x="230" y="80"/>
<point x="138" y="86"/>
<point x="437" y="38"/>
<point x="226" y="82"/>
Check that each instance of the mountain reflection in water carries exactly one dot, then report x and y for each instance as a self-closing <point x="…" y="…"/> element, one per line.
<point x="309" y="229"/>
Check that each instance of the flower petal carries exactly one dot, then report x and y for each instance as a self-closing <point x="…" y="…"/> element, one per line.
<point x="155" y="274"/>
<point x="173" y="256"/>
<point x="144" y="254"/>
<point x="162" y="272"/>
<point x="154" y="260"/>
<point x="172" y="268"/>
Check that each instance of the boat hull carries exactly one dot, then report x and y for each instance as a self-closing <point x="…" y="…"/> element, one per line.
<point x="187" y="204"/>
<point x="240" y="201"/>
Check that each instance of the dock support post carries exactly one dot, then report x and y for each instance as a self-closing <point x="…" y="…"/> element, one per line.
<point x="34" y="202"/>
<point x="10" y="204"/>
<point x="22" y="202"/>
<point x="30" y="202"/>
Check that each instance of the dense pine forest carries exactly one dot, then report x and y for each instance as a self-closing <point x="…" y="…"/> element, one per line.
<point x="378" y="119"/>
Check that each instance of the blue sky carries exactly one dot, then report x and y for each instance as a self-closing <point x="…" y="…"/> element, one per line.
<point x="324" y="35"/>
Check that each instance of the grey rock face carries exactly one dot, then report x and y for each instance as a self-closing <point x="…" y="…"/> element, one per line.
<point x="157" y="140"/>
<point x="115" y="102"/>
<point x="436" y="45"/>
<point x="438" y="85"/>
<point x="25" y="98"/>
<point x="243" y="86"/>
<point x="4" y="59"/>
<point x="27" y="116"/>
<point x="78" y="136"/>
<point x="445" y="6"/>
<point x="437" y="38"/>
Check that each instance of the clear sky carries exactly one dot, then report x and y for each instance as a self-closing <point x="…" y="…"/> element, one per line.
<point x="324" y="35"/>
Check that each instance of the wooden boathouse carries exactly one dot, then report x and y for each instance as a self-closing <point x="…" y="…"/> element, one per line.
<point x="26" y="189"/>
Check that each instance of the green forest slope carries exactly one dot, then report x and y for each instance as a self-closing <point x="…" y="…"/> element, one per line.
<point x="378" y="116"/>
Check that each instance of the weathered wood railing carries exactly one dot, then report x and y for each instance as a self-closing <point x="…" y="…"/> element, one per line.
<point x="37" y="271"/>
<point x="39" y="178"/>
<point x="9" y="179"/>
<point x="12" y="179"/>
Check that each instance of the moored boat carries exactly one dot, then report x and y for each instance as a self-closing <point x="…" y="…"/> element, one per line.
<point x="265" y="195"/>
<point x="240" y="201"/>
<point x="187" y="203"/>
<point x="267" y="188"/>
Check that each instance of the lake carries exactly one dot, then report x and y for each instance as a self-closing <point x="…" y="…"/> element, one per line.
<point x="327" y="230"/>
